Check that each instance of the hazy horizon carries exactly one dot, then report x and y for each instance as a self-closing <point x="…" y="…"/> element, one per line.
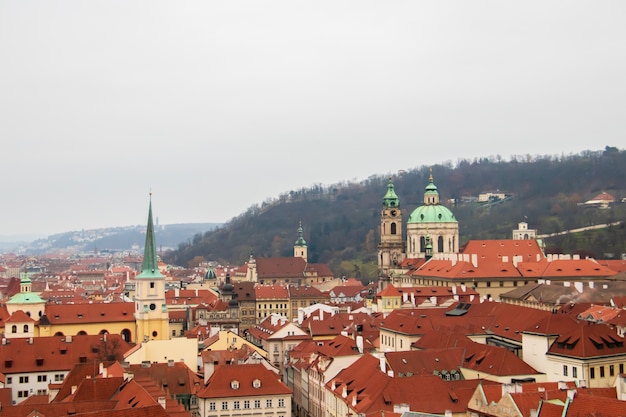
<point x="214" y="107"/>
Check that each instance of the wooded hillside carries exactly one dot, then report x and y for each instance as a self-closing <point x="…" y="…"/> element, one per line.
<point x="340" y="221"/>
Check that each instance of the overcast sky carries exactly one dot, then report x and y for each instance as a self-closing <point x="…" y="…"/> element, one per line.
<point x="218" y="105"/>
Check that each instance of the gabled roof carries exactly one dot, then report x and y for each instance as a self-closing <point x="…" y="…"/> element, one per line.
<point x="588" y="340"/>
<point x="495" y="250"/>
<point x="90" y="313"/>
<point x="268" y="292"/>
<point x="19" y="317"/>
<point x="175" y="376"/>
<point x="576" y="268"/>
<point x="426" y="362"/>
<point x="43" y="354"/>
<point x="219" y="384"/>
<point x="281" y="267"/>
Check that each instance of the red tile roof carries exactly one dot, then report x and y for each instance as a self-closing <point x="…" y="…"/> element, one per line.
<point x="586" y="340"/>
<point x="56" y="352"/>
<point x="219" y="384"/>
<point x="90" y="313"/>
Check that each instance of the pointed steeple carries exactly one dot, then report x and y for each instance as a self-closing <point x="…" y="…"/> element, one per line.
<point x="150" y="267"/>
<point x="391" y="199"/>
<point x="300" y="241"/>
<point x="431" y="194"/>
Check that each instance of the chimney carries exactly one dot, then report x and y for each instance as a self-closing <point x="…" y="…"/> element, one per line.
<point x="383" y="365"/>
<point x="475" y="260"/>
<point x="359" y="343"/>
<point x="162" y="401"/>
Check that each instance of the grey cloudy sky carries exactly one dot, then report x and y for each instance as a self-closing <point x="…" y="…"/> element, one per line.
<point x="215" y="106"/>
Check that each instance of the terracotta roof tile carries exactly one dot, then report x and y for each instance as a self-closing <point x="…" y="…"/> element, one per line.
<point x="219" y="384"/>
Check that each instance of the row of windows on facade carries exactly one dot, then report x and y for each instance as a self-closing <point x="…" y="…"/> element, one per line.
<point x="246" y="404"/>
<point x="592" y="371"/>
<point x="487" y="284"/>
<point x="40" y="378"/>
<point x="279" y="306"/>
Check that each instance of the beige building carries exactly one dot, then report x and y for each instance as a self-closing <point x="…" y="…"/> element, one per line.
<point x="244" y="390"/>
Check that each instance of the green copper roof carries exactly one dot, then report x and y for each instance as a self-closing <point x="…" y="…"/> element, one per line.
<point x="210" y="273"/>
<point x="432" y="214"/>
<point x="150" y="267"/>
<point x="26" y="298"/>
<point x="300" y="241"/>
<point x="431" y="188"/>
<point x="25" y="278"/>
<point x="391" y="199"/>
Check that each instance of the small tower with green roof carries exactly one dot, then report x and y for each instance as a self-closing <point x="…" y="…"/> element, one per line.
<point x="151" y="316"/>
<point x="391" y="246"/>
<point x="300" y="249"/>
<point x="26" y="300"/>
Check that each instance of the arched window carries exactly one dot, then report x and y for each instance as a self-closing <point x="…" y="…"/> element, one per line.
<point x="14" y="329"/>
<point x="422" y="247"/>
<point x="126" y="334"/>
<point x="393" y="228"/>
<point x="81" y="333"/>
<point x="440" y="244"/>
<point x="26" y="328"/>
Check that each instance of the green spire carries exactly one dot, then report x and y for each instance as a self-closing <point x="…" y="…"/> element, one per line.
<point x="300" y="241"/>
<point x="150" y="267"/>
<point x="391" y="199"/>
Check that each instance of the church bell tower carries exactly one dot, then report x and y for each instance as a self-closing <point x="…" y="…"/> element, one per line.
<point x="151" y="316"/>
<point x="391" y="246"/>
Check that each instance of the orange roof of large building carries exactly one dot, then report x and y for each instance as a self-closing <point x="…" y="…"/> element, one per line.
<point x="56" y="352"/>
<point x="90" y="313"/>
<point x="219" y="384"/>
<point x="501" y="250"/>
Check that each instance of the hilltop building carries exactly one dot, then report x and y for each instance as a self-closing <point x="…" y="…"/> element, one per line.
<point x="288" y="270"/>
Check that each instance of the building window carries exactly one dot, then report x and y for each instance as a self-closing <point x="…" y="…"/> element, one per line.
<point x="224" y="405"/>
<point x="257" y="403"/>
<point x="611" y="370"/>
<point x="564" y="370"/>
<point x="236" y="404"/>
<point x="515" y="283"/>
<point x="592" y="372"/>
<point x="152" y="285"/>
<point x="42" y="378"/>
<point x="22" y="394"/>
<point x="14" y="329"/>
<point x="59" y="377"/>
<point x="488" y="284"/>
<point x="602" y="372"/>
<point x="23" y="380"/>
<point x="621" y="368"/>
<point x="268" y="403"/>
<point x="26" y="328"/>
<point x="174" y="332"/>
<point x="246" y="404"/>
<point x="281" y="402"/>
<point x="574" y="372"/>
<point x="9" y="380"/>
<point x="212" y="406"/>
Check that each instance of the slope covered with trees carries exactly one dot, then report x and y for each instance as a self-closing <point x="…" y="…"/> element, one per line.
<point x="340" y="221"/>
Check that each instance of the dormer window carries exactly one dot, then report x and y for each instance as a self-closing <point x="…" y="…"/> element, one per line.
<point x="234" y="384"/>
<point x="256" y="383"/>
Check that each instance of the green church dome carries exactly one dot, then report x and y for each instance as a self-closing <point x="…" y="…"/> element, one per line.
<point x="432" y="214"/>
<point x="431" y="211"/>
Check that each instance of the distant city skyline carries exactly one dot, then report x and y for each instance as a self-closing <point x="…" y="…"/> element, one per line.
<point x="215" y="107"/>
